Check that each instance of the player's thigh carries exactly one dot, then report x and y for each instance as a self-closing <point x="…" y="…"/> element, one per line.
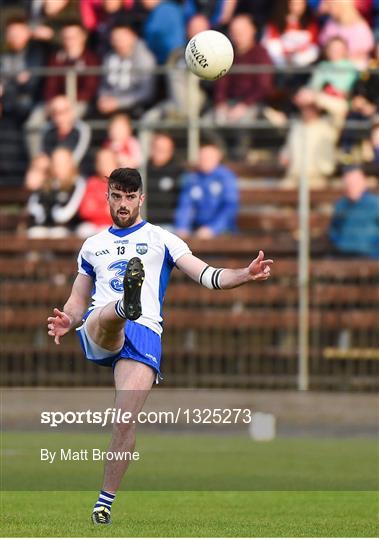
<point x="109" y="336"/>
<point x="133" y="382"/>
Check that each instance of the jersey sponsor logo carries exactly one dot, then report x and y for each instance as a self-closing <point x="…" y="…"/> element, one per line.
<point x="122" y="241"/>
<point x="102" y="252"/>
<point x="116" y="283"/>
<point x="141" y="249"/>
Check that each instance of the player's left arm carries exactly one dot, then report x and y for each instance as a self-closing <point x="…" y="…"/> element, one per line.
<point x="224" y="278"/>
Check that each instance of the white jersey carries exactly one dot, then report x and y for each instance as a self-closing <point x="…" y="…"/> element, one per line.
<point x="105" y="255"/>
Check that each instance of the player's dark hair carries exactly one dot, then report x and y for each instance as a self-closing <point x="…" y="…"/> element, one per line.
<point x="125" y="179"/>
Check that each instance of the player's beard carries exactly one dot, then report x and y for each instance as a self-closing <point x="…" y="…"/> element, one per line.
<point x="124" y="221"/>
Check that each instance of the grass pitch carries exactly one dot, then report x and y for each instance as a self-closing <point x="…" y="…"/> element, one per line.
<point x="333" y="485"/>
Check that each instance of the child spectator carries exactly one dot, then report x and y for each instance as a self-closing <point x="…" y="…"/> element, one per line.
<point x="18" y="87"/>
<point x="163" y="174"/>
<point x="65" y="130"/>
<point x="120" y="140"/>
<point x="354" y="230"/>
<point x="291" y="35"/>
<point x="55" y="207"/>
<point x="337" y="74"/>
<point x="208" y="202"/>
<point x="164" y="29"/>
<point x="346" y="22"/>
<point x="94" y="208"/>
<point x="317" y="136"/>
<point x="128" y="83"/>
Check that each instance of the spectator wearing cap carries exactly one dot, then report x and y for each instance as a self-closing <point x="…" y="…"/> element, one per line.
<point x="164" y="29"/>
<point x="208" y="202"/>
<point x="128" y="82"/>
<point x="163" y="173"/>
<point x="354" y="229"/>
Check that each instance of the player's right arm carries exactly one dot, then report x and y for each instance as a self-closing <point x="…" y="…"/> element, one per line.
<point x="73" y="310"/>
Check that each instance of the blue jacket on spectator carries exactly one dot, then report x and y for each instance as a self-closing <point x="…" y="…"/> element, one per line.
<point x="355" y="226"/>
<point x="164" y="30"/>
<point x="210" y="200"/>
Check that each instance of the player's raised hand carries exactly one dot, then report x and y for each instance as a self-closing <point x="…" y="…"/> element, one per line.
<point x="58" y="325"/>
<point x="260" y="268"/>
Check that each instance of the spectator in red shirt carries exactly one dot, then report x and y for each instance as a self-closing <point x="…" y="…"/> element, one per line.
<point x="291" y="34"/>
<point x="238" y="96"/>
<point x="120" y="140"/>
<point x="94" y="208"/>
<point x="73" y="54"/>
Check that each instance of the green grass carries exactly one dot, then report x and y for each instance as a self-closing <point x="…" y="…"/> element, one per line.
<point x="170" y="514"/>
<point x="287" y="487"/>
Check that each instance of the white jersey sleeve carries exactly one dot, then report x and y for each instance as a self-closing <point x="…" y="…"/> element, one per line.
<point x="175" y="245"/>
<point x="85" y="263"/>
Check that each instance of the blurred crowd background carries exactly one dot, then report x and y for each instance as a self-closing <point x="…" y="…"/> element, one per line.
<point x="304" y="70"/>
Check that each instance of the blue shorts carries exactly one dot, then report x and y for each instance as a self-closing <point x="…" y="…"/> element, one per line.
<point x="141" y="344"/>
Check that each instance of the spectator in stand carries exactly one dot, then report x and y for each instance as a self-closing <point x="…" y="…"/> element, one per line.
<point x="218" y="12"/>
<point x="349" y="24"/>
<point x="19" y="90"/>
<point x="291" y="35"/>
<point x="73" y="54"/>
<point x="365" y="102"/>
<point x="37" y="174"/>
<point x="208" y="202"/>
<point x="54" y="208"/>
<point x="163" y="174"/>
<point x="176" y="106"/>
<point x="49" y="17"/>
<point x="124" y="87"/>
<point x="94" y="208"/>
<point x="126" y="148"/>
<point x="99" y="17"/>
<point x="239" y="96"/>
<point x="320" y="135"/>
<point x="354" y="229"/>
<point x="336" y="75"/>
<point x="164" y="29"/>
<point x="65" y="130"/>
